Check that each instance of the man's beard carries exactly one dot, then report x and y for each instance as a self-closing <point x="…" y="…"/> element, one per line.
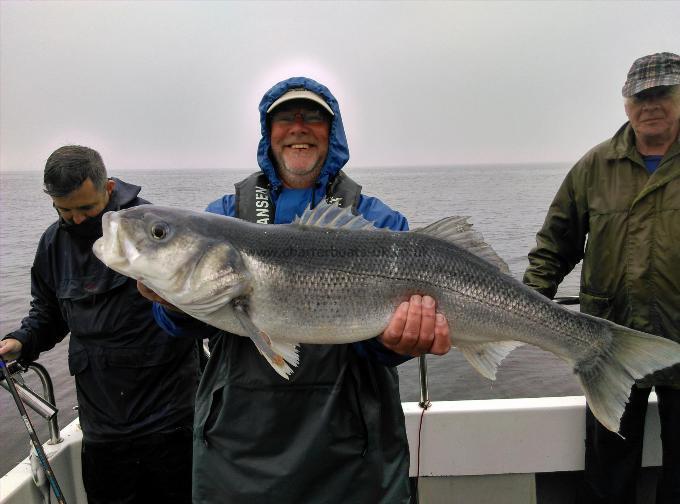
<point x="91" y="227"/>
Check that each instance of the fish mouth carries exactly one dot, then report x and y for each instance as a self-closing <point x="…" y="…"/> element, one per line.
<point x="113" y="249"/>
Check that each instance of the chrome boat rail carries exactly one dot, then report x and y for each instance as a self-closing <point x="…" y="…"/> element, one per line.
<point x="43" y="406"/>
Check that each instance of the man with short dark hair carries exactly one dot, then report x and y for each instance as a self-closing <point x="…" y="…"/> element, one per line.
<point x="333" y="433"/>
<point x="135" y="384"/>
<point x="618" y="210"/>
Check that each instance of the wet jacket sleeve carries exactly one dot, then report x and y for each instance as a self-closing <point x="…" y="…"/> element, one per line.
<point x="226" y="205"/>
<point x="380" y="214"/>
<point x="181" y="325"/>
<point x="560" y="242"/>
<point x="44" y="326"/>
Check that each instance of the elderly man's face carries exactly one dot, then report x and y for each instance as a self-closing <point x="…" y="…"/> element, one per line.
<point x="299" y="140"/>
<point x="654" y="113"/>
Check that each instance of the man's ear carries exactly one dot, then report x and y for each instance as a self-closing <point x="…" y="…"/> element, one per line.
<point x="110" y="184"/>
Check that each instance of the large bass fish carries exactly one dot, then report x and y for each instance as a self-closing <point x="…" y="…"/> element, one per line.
<point x="330" y="277"/>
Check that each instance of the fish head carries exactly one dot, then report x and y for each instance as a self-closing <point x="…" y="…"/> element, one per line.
<point x="177" y="253"/>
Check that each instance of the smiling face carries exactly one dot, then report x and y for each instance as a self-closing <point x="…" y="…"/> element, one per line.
<point x="654" y="115"/>
<point x="299" y="141"/>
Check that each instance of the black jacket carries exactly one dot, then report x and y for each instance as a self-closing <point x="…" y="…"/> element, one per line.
<point x="132" y="379"/>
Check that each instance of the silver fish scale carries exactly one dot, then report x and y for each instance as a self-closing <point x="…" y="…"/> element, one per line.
<point x="346" y="284"/>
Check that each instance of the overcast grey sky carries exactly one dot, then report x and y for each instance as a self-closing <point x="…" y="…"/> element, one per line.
<point x="176" y="84"/>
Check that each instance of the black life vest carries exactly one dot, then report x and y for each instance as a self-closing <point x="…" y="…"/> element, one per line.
<point x="254" y="204"/>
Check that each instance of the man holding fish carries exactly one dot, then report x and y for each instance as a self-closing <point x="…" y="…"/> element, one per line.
<point x="334" y="432"/>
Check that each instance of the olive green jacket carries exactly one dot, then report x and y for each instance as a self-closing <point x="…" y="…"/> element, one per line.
<point x="625" y="226"/>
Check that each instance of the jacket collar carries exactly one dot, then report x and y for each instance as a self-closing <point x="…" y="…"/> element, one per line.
<point x="123" y="194"/>
<point x="622" y="145"/>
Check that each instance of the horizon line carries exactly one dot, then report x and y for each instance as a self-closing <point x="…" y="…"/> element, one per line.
<point x="380" y="167"/>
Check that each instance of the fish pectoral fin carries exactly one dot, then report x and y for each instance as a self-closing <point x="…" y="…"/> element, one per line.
<point x="289" y="352"/>
<point x="486" y="357"/>
<point x="280" y="355"/>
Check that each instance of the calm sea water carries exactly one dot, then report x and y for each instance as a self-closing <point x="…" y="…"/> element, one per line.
<point x="507" y="203"/>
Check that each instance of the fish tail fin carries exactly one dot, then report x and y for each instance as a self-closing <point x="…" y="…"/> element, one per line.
<point x="608" y="379"/>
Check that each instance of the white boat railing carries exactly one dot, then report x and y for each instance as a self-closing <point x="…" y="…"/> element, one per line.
<point x="506" y="436"/>
<point x="506" y="440"/>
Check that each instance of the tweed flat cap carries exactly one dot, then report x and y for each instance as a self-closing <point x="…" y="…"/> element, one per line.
<point x="660" y="69"/>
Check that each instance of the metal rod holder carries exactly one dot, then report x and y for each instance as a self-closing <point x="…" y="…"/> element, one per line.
<point x="33" y="400"/>
<point x="45" y="407"/>
<point x="424" y="393"/>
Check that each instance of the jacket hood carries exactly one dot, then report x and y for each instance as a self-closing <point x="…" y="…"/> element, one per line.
<point x="338" y="151"/>
<point x="123" y="193"/>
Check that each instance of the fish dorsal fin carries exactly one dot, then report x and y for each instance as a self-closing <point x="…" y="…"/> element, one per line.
<point x="332" y="216"/>
<point x="458" y="230"/>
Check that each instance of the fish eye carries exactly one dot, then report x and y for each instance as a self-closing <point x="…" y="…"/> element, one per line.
<point x="159" y="230"/>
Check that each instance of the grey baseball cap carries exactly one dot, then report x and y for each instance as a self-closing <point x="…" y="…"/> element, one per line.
<point x="300" y="94"/>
